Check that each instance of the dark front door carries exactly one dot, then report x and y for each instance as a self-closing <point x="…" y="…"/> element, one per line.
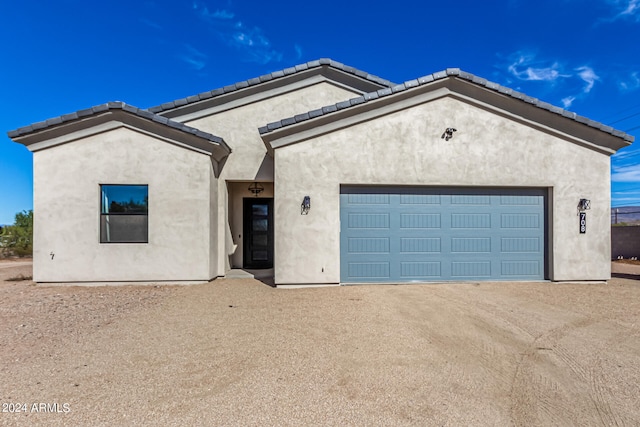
<point x="258" y="233"/>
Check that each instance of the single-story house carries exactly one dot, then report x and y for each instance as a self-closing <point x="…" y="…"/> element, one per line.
<point x="325" y="174"/>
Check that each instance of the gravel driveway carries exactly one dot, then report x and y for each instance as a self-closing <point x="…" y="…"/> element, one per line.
<point x="237" y="352"/>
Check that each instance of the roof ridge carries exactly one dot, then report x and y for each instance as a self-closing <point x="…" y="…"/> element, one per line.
<point x="268" y="77"/>
<point x="113" y="105"/>
<point x="440" y="75"/>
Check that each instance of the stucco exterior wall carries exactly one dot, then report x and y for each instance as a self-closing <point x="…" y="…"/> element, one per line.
<point x="67" y="182"/>
<point x="238" y="126"/>
<point x="406" y="148"/>
<point x="214" y="219"/>
<point x="249" y="161"/>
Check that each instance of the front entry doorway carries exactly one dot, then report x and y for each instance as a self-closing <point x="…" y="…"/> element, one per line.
<point x="258" y="233"/>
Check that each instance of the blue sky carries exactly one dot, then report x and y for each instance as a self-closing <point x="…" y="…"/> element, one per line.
<point x="63" y="56"/>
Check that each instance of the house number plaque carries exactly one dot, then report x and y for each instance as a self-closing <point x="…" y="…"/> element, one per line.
<point x="583" y="222"/>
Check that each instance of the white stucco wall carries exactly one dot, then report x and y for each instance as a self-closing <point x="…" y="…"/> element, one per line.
<point x="238" y="126"/>
<point x="405" y="148"/>
<point x="249" y="161"/>
<point x="67" y="182"/>
<point x="214" y="236"/>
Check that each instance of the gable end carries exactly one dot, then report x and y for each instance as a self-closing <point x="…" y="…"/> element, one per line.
<point x="468" y="87"/>
<point x="322" y="69"/>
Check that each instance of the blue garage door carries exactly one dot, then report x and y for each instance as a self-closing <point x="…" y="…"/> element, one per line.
<point x="391" y="234"/>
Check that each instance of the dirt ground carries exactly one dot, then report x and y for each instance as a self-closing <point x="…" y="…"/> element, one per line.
<point x="238" y="352"/>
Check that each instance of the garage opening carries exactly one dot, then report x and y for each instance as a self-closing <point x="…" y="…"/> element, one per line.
<point x="418" y="234"/>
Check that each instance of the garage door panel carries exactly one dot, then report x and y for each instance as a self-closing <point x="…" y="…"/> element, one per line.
<point x="369" y="199"/>
<point x="420" y="245"/>
<point x="514" y="200"/>
<point x="420" y="270"/>
<point x="420" y="220"/>
<point x="531" y="268"/>
<point x="391" y="234"/>
<point x="521" y="244"/>
<point x="420" y="199"/>
<point x="471" y="245"/>
<point x="470" y="269"/>
<point x="368" y="220"/>
<point x="370" y="270"/>
<point x="471" y="220"/>
<point x="364" y="245"/>
<point x="520" y="220"/>
<point x="468" y="199"/>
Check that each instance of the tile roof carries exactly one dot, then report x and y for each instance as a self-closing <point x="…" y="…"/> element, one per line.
<point x="115" y="105"/>
<point x="449" y="72"/>
<point x="322" y="62"/>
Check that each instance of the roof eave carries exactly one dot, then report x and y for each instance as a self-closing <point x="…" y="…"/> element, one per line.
<point x="457" y="81"/>
<point x="71" y="126"/>
<point x="357" y="80"/>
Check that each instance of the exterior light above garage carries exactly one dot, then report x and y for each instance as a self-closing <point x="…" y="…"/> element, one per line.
<point x="305" y="207"/>
<point x="448" y="133"/>
<point x="584" y="205"/>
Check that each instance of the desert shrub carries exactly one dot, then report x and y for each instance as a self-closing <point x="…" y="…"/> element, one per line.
<point x="17" y="239"/>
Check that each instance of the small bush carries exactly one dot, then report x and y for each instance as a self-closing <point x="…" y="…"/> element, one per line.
<point x="17" y="239"/>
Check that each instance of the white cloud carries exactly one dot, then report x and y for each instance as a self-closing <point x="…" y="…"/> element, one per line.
<point x="567" y="101"/>
<point x="298" y="50"/>
<point x="629" y="8"/>
<point x="252" y="37"/>
<point x="524" y="68"/>
<point x="624" y="198"/>
<point x="249" y="41"/>
<point x="628" y="173"/>
<point x="588" y="76"/>
<point x="635" y="193"/>
<point x="625" y="154"/>
<point x="575" y="82"/>
<point x="255" y="46"/>
<point x="195" y="63"/>
<point x="631" y="83"/>
<point x="194" y="57"/>
<point x="151" y="24"/>
<point x="223" y="14"/>
<point x="218" y="14"/>
<point x="195" y="52"/>
<point x="623" y="9"/>
<point x="204" y="12"/>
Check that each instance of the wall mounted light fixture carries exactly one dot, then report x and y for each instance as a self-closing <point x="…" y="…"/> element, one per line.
<point x="584" y="205"/>
<point x="448" y="133"/>
<point x="305" y="207"/>
<point x="256" y="188"/>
